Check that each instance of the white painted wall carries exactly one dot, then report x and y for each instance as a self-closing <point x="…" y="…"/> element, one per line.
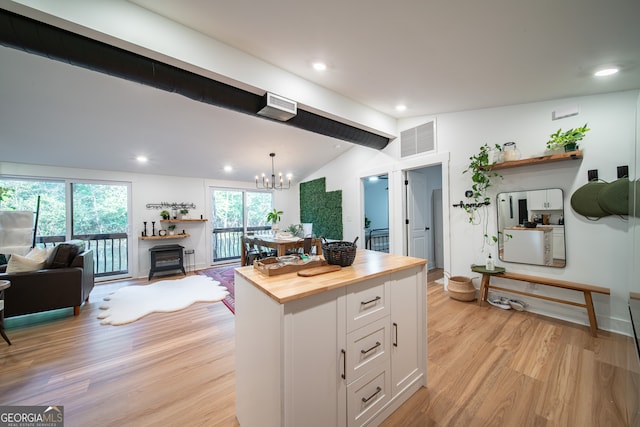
<point x="597" y="252"/>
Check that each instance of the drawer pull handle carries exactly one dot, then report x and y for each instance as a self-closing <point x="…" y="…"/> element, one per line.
<point x="344" y="364"/>
<point x="370" y="301"/>
<point x="377" y="344"/>
<point x="395" y="327"/>
<point x="367" y="399"/>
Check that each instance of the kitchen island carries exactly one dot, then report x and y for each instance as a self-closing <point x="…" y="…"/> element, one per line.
<point x="343" y="348"/>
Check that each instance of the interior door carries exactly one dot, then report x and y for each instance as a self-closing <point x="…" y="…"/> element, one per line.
<point x="419" y="215"/>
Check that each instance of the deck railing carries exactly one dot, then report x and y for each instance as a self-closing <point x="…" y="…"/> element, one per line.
<point x="110" y="251"/>
<point x="227" y="241"/>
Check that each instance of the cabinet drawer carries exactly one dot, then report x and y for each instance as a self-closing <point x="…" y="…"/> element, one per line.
<point x="367" y="348"/>
<point x="367" y="302"/>
<point x="367" y="395"/>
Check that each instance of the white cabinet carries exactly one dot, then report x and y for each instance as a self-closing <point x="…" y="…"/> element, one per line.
<point x="345" y="357"/>
<point x="528" y="245"/>
<point x="544" y="200"/>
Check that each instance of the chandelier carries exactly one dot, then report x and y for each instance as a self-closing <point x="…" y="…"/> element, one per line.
<point x="270" y="184"/>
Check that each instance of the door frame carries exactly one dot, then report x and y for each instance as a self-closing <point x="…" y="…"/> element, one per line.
<point x="400" y="195"/>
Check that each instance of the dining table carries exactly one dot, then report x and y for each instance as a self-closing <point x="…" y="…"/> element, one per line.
<point x="282" y="245"/>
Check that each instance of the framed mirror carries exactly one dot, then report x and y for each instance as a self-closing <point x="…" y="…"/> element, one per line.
<point x="531" y="227"/>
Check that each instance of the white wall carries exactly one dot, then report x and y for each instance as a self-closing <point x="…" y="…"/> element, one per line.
<point x="597" y="252"/>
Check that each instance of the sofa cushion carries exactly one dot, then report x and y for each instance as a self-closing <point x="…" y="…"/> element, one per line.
<point x="64" y="253"/>
<point x="35" y="260"/>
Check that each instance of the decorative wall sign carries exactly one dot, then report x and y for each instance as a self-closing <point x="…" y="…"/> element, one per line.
<point x="173" y="205"/>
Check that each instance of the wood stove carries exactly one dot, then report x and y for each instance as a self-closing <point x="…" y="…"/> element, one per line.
<point x="166" y="258"/>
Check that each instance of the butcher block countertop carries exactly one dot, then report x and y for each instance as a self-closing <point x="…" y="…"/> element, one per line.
<point x="368" y="264"/>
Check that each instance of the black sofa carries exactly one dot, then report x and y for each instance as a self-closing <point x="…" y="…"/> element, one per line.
<point x="66" y="282"/>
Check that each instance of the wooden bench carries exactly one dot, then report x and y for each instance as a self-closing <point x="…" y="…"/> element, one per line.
<point x="585" y="289"/>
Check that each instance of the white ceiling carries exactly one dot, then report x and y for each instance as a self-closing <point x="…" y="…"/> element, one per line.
<point x="435" y="56"/>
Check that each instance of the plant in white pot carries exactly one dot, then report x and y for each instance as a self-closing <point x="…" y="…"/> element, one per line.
<point x="172" y="229"/>
<point x="184" y="213"/>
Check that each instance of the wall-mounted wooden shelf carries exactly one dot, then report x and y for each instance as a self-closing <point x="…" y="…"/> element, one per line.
<point x="573" y="155"/>
<point x="183" y="220"/>
<point x="175" y="236"/>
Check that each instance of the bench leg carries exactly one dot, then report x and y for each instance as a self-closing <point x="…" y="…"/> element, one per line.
<point x="592" y="313"/>
<point x="76" y="310"/>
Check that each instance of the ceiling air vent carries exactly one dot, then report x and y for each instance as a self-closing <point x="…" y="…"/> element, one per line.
<point x="419" y="139"/>
<point x="277" y="107"/>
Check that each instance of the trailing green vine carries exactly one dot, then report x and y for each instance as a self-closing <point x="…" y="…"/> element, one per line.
<point x="482" y="178"/>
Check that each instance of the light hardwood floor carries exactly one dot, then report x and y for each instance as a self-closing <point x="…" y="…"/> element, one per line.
<point x="487" y="367"/>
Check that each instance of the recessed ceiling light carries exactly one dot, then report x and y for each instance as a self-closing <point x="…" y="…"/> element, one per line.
<point x="228" y="168"/>
<point x="401" y="107"/>
<point x="319" y="66"/>
<point x="606" y="72"/>
<point x="142" y="159"/>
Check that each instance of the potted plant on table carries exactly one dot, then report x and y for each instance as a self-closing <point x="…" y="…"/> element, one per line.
<point x="568" y="139"/>
<point x="274" y="218"/>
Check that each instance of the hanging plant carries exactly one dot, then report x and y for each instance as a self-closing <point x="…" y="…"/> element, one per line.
<point x="482" y="178"/>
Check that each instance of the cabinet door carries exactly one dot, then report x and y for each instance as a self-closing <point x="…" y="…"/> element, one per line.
<point x="408" y="327"/>
<point x="536" y="200"/>
<point x="554" y="199"/>
<point x="314" y="337"/>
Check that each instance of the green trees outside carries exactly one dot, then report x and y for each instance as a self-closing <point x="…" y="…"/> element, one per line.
<point x="228" y="208"/>
<point x="24" y="197"/>
<point x="97" y="208"/>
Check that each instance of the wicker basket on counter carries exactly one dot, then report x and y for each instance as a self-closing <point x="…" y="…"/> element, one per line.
<point x="339" y="253"/>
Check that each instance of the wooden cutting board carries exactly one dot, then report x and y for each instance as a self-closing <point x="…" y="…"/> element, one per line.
<point x="318" y="270"/>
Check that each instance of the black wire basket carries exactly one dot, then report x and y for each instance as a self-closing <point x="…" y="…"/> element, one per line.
<point x="339" y="253"/>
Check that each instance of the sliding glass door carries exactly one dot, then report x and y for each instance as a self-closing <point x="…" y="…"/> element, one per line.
<point x="234" y="213"/>
<point x="97" y="213"/>
<point x="100" y="217"/>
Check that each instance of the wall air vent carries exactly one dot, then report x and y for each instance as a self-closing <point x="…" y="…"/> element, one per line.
<point x="419" y="139"/>
<point x="277" y="107"/>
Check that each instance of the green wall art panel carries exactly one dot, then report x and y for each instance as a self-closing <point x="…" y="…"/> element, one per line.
<point x="322" y="208"/>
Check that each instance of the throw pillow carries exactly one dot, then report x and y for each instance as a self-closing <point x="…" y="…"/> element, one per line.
<point x="33" y="261"/>
<point x="64" y="253"/>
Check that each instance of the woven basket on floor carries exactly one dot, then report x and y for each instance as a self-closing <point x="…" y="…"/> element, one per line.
<point x="461" y="288"/>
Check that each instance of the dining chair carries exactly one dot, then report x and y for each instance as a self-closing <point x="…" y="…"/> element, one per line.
<point x="250" y="251"/>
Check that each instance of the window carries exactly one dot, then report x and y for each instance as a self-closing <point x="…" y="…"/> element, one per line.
<point x="236" y="212"/>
